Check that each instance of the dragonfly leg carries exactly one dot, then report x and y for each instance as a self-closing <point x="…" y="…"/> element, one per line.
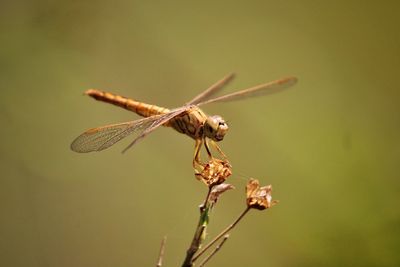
<point x="196" y="158"/>
<point x="218" y="149"/>
<point x="207" y="148"/>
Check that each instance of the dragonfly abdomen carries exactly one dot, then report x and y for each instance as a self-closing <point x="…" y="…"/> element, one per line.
<point x="140" y="108"/>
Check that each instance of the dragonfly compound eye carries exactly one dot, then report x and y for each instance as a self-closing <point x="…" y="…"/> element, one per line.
<point x="215" y="128"/>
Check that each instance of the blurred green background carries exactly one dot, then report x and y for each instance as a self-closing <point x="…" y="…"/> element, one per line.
<point x="329" y="146"/>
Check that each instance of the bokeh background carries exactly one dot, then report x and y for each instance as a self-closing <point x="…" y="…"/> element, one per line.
<point x="329" y="146"/>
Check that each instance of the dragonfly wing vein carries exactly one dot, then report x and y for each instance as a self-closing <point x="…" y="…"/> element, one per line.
<point x="157" y="123"/>
<point x="259" y="90"/>
<point x="98" y="139"/>
<point x="213" y="89"/>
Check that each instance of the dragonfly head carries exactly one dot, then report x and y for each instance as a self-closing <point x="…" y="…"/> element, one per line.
<point x="215" y="128"/>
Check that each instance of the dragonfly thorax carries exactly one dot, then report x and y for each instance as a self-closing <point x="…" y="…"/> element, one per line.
<point x="215" y="128"/>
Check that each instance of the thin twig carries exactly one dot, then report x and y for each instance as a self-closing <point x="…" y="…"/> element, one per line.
<point x="227" y="229"/>
<point x="217" y="248"/>
<point x="204" y="204"/>
<point x="201" y="227"/>
<point x="162" y="249"/>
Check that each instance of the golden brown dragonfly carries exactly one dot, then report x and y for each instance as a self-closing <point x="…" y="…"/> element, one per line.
<point x="188" y="119"/>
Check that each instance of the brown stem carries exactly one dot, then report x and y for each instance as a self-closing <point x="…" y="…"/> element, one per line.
<point x="197" y="238"/>
<point x="162" y="249"/>
<point x="214" y="251"/>
<point x="227" y="229"/>
<point x="205" y="203"/>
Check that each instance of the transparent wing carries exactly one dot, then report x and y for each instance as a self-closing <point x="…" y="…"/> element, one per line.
<point x="212" y="90"/>
<point x="154" y="125"/>
<point x="100" y="138"/>
<point x="259" y="90"/>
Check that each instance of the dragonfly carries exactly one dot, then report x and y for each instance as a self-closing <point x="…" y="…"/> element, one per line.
<point x="188" y="119"/>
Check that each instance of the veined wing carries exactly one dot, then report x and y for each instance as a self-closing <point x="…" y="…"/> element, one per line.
<point x="100" y="138"/>
<point x="212" y="90"/>
<point x="259" y="90"/>
<point x="163" y="119"/>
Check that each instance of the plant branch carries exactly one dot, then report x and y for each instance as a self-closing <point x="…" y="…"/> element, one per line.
<point x="217" y="248"/>
<point x="199" y="233"/>
<point x="162" y="249"/>
<point x="224" y="232"/>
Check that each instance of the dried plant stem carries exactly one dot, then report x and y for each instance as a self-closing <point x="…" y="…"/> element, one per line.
<point x="198" y="236"/>
<point x="224" y="232"/>
<point x="205" y="203"/>
<point x="217" y="248"/>
<point x="162" y="249"/>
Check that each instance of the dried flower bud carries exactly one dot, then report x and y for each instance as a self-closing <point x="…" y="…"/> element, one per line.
<point x="215" y="172"/>
<point x="217" y="191"/>
<point x="258" y="197"/>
